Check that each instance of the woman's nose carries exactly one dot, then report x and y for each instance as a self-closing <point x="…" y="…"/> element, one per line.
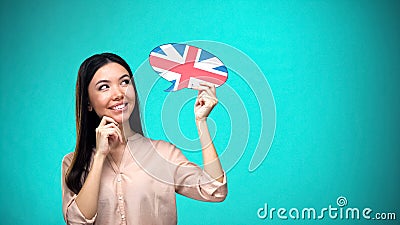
<point x="118" y="94"/>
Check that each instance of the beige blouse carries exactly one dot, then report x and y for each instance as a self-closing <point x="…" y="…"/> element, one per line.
<point x="142" y="189"/>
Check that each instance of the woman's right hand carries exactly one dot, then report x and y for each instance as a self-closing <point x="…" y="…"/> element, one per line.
<point x="107" y="134"/>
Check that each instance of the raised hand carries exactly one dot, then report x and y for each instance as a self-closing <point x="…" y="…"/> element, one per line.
<point x="107" y="134"/>
<point x="206" y="100"/>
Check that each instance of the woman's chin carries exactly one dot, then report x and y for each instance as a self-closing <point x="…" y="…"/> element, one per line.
<point x="121" y="121"/>
<point x="119" y="117"/>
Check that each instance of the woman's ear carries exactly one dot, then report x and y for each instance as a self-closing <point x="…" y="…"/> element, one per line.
<point x="90" y="108"/>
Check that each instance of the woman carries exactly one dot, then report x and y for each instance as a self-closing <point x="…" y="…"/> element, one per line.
<point x="118" y="176"/>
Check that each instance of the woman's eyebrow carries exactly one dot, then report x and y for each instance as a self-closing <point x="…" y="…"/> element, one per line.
<point x="101" y="81"/>
<point x="107" y="81"/>
<point x="123" y="76"/>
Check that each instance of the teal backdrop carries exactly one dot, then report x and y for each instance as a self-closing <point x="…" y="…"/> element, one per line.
<point x="332" y="66"/>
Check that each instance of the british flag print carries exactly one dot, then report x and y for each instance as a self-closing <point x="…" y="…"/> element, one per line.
<point x="186" y="66"/>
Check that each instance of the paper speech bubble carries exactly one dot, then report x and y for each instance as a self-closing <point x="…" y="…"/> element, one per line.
<point x="186" y="66"/>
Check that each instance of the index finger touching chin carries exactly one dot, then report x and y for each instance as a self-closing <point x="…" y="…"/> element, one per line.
<point x="106" y="119"/>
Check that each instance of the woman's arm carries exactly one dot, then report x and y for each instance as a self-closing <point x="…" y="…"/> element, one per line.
<point x="71" y="212"/>
<point x="205" y="102"/>
<point x="107" y="133"/>
<point x="88" y="196"/>
<point x="211" y="162"/>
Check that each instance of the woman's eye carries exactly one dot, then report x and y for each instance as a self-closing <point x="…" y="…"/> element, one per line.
<point x="103" y="87"/>
<point x="126" y="82"/>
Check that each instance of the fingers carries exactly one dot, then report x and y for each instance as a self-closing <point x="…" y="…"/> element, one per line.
<point x="112" y="126"/>
<point x="206" y="100"/>
<point x="105" y="120"/>
<point x="211" y="86"/>
<point x="207" y="88"/>
<point x="199" y="101"/>
<point x="107" y="132"/>
<point x="111" y="132"/>
<point x="109" y="124"/>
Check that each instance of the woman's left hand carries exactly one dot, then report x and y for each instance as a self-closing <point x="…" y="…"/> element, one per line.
<point x="206" y="100"/>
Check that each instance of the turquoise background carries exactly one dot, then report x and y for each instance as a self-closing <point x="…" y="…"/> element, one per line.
<point x="333" y="67"/>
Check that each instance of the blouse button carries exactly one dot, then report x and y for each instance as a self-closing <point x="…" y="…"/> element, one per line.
<point x="119" y="177"/>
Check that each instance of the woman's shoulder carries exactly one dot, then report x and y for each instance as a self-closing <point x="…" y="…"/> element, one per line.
<point x="157" y="143"/>
<point x="164" y="148"/>
<point x="67" y="159"/>
<point x="161" y="143"/>
<point x="167" y="149"/>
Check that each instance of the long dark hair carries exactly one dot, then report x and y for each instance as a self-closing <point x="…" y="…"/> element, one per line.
<point x="87" y="121"/>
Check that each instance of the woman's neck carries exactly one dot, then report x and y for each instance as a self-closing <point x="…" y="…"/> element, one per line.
<point x="126" y="131"/>
<point x="117" y="150"/>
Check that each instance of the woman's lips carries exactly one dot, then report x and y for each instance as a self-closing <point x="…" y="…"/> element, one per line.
<point x="120" y="107"/>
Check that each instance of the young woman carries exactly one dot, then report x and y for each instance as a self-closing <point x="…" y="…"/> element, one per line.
<point x="118" y="176"/>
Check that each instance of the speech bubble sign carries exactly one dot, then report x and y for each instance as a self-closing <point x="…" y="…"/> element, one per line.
<point x="186" y="66"/>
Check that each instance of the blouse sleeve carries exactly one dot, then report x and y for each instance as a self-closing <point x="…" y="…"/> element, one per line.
<point x="71" y="212"/>
<point x="189" y="179"/>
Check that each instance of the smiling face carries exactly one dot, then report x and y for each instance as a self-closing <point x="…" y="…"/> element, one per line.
<point x="111" y="93"/>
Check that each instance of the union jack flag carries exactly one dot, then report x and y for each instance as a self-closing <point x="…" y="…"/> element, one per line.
<point x="186" y="66"/>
